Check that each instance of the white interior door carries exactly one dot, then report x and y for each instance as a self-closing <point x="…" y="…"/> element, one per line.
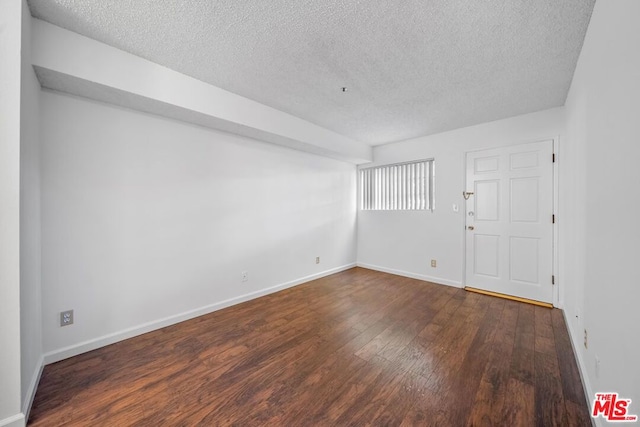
<point x="509" y="229"/>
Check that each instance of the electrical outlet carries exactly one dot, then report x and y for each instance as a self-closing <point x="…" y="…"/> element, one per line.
<point x="66" y="318"/>
<point x="317" y="260"/>
<point x="585" y="339"/>
<point x="433" y="263"/>
<point x="245" y="276"/>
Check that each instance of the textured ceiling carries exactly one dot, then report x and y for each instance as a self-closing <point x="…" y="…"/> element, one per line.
<point x="411" y="67"/>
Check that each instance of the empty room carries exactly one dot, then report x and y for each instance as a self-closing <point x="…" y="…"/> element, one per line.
<point x="247" y="213"/>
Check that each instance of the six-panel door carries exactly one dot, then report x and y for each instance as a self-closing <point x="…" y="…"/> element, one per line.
<point x="509" y="231"/>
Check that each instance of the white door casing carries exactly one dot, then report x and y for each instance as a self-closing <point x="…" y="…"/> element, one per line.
<point x="509" y="228"/>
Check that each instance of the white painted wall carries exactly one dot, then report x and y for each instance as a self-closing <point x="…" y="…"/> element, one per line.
<point x="146" y="218"/>
<point x="601" y="203"/>
<point x="405" y="242"/>
<point x="10" y="43"/>
<point x="30" y="309"/>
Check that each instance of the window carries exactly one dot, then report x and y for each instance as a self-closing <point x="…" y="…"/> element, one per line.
<point x="401" y="186"/>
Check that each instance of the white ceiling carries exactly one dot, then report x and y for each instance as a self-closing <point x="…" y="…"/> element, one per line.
<point x="412" y="68"/>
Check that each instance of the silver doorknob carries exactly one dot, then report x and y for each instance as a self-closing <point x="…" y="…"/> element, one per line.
<point x="471" y="227"/>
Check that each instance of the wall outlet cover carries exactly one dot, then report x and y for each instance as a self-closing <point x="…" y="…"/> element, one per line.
<point x="66" y="318"/>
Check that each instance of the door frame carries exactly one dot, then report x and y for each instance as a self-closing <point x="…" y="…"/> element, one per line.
<point x="556" y="301"/>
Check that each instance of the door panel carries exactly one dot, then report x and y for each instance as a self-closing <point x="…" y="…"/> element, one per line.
<point x="488" y="203"/>
<point x="487" y="255"/>
<point x="509" y="232"/>
<point x="523" y="259"/>
<point x="524" y="206"/>
<point x="524" y="160"/>
<point x="486" y="164"/>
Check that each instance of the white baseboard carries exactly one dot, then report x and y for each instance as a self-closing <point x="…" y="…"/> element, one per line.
<point x="83" y="347"/>
<point x="438" y="280"/>
<point x="586" y="385"/>
<point x="33" y="386"/>
<point x="17" y="420"/>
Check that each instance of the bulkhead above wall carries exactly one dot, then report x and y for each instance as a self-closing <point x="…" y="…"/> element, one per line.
<point x="68" y="62"/>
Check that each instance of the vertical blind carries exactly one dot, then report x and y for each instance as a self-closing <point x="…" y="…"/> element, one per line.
<point x="401" y="186"/>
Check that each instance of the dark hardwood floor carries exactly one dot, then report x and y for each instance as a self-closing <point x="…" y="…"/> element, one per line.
<point x="356" y="348"/>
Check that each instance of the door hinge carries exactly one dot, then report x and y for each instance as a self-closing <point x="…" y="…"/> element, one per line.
<point x="553" y="157"/>
<point x="553" y="218"/>
<point x="553" y="279"/>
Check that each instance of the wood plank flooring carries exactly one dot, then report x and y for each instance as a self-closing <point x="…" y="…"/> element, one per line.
<point x="356" y="348"/>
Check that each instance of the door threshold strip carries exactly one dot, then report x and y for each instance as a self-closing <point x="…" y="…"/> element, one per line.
<point x="511" y="297"/>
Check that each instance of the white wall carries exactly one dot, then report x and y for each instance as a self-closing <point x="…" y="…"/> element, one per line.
<point x="10" y="43"/>
<point x="405" y="242"/>
<point x="601" y="253"/>
<point x="145" y="218"/>
<point x="30" y="310"/>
